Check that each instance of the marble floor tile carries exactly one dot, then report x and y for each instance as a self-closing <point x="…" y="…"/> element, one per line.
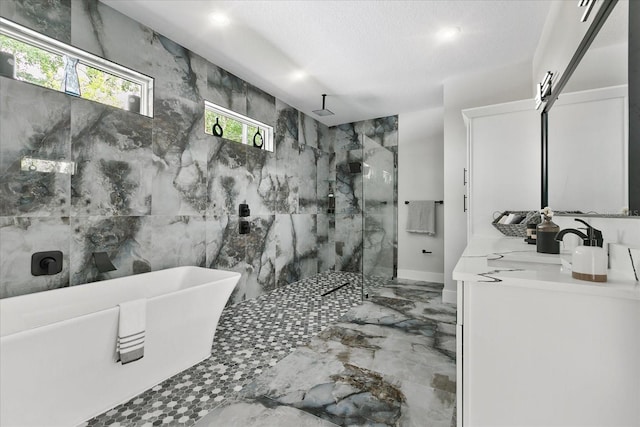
<point x="260" y="414"/>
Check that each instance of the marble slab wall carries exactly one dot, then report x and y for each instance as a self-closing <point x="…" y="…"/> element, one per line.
<point x="158" y="192"/>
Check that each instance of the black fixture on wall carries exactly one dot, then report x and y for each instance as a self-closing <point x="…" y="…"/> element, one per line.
<point x="46" y="263"/>
<point x="243" y="210"/>
<point x="102" y="262"/>
<point x="244" y="227"/>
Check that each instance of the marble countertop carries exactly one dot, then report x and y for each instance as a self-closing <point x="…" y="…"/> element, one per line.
<point x="501" y="260"/>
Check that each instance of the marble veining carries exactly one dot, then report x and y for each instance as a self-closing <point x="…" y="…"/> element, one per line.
<point x="144" y="183"/>
<point x="57" y="24"/>
<point x="33" y="122"/>
<point x="112" y="150"/>
<point x="226" y="90"/>
<point x="19" y="236"/>
<point x="103" y="31"/>
<point x="389" y="361"/>
<point x="118" y="236"/>
<point x="261" y="106"/>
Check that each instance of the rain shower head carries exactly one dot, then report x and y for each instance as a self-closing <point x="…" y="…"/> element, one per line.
<point x="324" y="111"/>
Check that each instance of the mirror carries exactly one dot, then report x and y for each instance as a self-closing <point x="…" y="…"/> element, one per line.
<point x="586" y="154"/>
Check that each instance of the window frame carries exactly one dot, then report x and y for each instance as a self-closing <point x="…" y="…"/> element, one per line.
<point x="25" y="35"/>
<point x="245" y="121"/>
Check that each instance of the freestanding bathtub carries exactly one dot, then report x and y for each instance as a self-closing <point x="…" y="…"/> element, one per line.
<point x="57" y="348"/>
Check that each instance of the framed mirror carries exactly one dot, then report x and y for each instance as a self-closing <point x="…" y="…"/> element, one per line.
<point x="590" y="156"/>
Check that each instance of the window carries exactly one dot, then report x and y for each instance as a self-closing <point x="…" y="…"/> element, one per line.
<point x="230" y="125"/>
<point x="46" y="62"/>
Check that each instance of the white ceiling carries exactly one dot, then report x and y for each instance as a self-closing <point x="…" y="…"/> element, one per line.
<point x="372" y="58"/>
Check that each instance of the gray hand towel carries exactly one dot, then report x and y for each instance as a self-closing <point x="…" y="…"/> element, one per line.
<point x="421" y="217"/>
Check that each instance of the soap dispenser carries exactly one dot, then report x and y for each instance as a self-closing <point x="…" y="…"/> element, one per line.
<point x="589" y="261"/>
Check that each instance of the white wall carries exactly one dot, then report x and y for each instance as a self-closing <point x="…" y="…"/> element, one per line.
<point x="510" y="83"/>
<point x="420" y="177"/>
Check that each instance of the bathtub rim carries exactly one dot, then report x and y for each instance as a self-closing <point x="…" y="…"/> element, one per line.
<point x="10" y="324"/>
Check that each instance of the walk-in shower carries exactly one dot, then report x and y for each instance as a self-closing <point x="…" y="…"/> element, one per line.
<point x="365" y="213"/>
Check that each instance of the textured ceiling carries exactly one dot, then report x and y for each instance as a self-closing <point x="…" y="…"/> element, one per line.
<point x="372" y="58"/>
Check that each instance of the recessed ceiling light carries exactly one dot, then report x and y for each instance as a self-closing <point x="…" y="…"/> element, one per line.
<point x="219" y="19"/>
<point x="448" y="33"/>
<point x="299" y="75"/>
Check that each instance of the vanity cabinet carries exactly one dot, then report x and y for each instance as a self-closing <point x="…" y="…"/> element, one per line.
<point x="503" y="161"/>
<point x="538" y="348"/>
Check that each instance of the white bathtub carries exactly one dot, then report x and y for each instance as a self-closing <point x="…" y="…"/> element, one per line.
<point x="57" y="348"/>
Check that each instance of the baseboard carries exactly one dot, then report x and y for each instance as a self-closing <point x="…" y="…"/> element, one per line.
<point x="425" y="276"/>
<point x="450" y="296"/>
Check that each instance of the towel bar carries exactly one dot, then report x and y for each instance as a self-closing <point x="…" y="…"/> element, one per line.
<point x="440" y="202"/>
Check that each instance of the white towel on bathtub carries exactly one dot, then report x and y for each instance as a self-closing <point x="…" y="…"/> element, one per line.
<point x="131" y="330"/>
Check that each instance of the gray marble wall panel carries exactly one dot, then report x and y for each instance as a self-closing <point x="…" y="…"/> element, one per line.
<point x="323" y="184"/>
<point x="178" y="73"/>
<point x="119" y="236"/>
<point x="263" y="184"/>
<point x="260" y="255"/>
<point x="34" y="122"/>
<point x="287" y="148"/>
<point x="346" y="137"/>
<point x="326" y="242"/>
<point x="56" y="23"/>
<point x="378" y="244"/>
<point x="157" y="192"/>
<point x="226" y="90"/>
<point x="226" y="250"/>
<point x="305" y="172"/>
<point x="227" y="177"/>
<point x="103" y="31"/>
<point x="19" y="239"/>
<point x="112" y="150"/>
<point x="306" y="248"/>
<point x="348" y="182"/>
<point x="383" y="130"/>
<point x="349" y="244"/>
<point x="296" y="251"/>
<point x="181" y="153"/>
<point x="325" y="138"/>
<point x="309" y="130"/>
<point x="174" y="241"/>
<point x="261" y="106"/>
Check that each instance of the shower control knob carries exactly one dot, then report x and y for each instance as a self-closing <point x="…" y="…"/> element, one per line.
<point x="46" y="263"/>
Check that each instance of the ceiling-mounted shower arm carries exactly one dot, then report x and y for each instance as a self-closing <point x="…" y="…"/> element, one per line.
<point x="324" y="111"/>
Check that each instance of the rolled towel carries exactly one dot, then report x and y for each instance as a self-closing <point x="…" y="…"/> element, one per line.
<point x="131" y="331"/>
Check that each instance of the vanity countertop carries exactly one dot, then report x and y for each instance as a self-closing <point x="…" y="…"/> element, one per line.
<point x="496" y="260"/>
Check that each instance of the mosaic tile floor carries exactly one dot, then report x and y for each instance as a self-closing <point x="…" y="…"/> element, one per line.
<point x="251" y="336"/>
<point x="387" y="361"/>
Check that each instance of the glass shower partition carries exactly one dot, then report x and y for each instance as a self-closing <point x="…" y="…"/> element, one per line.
<point x="379" y="212"/>
<point x="361" y="211"/>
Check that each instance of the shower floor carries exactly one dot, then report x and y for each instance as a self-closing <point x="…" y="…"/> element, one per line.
<point x="294" y="357"/>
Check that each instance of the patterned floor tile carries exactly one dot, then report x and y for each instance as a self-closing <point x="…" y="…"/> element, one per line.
<point x="251" y="336"/>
